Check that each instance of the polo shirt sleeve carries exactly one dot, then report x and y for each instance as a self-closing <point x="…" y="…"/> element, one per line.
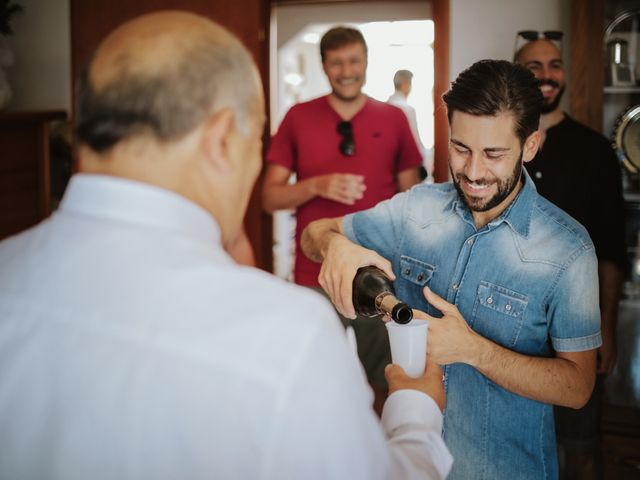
<point x="378" y="228"/>
<point x="283" y="148"/>
<point x="408" y="154"/>
<point x="574" y="310"/>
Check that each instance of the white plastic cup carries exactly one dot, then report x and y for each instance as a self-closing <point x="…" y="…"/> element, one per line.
<point x="409" y="345"/>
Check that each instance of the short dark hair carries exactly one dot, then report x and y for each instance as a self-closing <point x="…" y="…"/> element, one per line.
<point x="490" y="87"/>
<point x="338" y="37"/>
<point x="166" y="104"/>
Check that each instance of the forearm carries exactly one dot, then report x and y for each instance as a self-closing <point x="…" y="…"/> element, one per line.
<point x="317" y="236"/>
<point x="283" y="196"/>
<point x="557" y="380"/>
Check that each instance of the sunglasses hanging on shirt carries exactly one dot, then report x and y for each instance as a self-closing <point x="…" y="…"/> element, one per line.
<point x="347" y="145"/>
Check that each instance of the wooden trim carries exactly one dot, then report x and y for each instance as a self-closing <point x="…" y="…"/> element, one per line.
<point x="440" y="14"/>
<point x="586" y="69"/>
<point x="44" y="172"/>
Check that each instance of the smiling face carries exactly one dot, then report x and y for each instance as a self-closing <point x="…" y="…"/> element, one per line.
<point x="346" y="68"/>
<point x="485" y="160"/>
<point x="543" y="59"/>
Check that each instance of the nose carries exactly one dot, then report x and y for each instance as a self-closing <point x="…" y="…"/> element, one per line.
<point x="474" y="169"/>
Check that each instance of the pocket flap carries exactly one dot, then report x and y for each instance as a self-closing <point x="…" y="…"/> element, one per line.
<point x="415" y="271"/>
<point x="502" y="299"/>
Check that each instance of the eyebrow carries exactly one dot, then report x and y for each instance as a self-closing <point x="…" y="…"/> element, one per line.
<point x="488" y="149"/>
<point x="538" y="63"/>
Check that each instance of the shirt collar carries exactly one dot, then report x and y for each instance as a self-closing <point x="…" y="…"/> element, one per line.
<point x="129" y="201"/>
<point x="517" y="214"/>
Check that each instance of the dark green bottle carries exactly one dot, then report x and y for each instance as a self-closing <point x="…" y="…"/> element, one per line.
<point x="373" y="295"/>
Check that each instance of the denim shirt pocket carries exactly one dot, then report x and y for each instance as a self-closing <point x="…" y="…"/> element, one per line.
<point x="498" y="313"/>
<point x="415" y="275"/>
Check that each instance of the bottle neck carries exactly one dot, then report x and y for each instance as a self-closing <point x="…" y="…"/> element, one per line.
<point x="385" y="302"/>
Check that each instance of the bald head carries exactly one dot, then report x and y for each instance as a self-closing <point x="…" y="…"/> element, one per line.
<point x="162" y="75"/>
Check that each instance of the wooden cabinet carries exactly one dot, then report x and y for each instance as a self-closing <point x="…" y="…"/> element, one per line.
<point x="24" y="169"/>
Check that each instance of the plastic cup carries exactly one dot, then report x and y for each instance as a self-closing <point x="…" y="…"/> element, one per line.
<point x="409" y="345"/>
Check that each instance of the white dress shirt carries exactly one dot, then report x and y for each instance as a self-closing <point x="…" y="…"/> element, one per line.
<point x="133" y="347"/>
<point x="400" y="101"/>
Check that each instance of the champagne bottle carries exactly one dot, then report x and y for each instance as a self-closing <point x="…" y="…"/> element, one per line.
<point x="373" y="295"/>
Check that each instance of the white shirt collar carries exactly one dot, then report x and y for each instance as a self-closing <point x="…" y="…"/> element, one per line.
<point x="129" y="201"/>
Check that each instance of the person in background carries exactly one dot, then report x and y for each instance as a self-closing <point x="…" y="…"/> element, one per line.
<point x="402" y="81"/>
<point x="133" y="347"/>
<point x="507" y="280"/>
<point x="577" y="169"/>
<point x="348" y="152"/>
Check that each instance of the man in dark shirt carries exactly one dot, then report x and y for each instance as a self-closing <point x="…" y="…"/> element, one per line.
<point x="577" y="170"/>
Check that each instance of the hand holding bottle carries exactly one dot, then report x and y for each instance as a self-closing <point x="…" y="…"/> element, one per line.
<point x="341" y="261"/>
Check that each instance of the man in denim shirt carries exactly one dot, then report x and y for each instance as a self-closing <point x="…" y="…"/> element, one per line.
<point x="510" y="280"/>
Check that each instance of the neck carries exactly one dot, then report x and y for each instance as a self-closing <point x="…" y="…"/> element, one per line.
<point x="347" y="108"/>
<point x="548" y="120"/>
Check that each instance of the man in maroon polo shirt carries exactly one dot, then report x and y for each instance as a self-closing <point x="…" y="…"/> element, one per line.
<point x="348" y="152"/>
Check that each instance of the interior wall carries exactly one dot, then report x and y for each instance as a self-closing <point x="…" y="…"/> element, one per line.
<point x="41" y="74"/>
<point x="349" y="12"/>
<point x="40" y="77"/>
<point x="487" y="29"/>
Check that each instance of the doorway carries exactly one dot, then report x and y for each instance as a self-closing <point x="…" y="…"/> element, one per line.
<point x="399" y="35"/>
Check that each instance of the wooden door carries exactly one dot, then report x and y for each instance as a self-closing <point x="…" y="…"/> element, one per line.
<point x="92" y="20"/>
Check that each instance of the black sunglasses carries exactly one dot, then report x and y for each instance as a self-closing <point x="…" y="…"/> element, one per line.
<point x="536" y="35"/>
<point x="347" y="144"/>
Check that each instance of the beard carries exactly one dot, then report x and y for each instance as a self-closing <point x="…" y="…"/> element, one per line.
<point x="548" y="107"/>
<point x="505" y="187"/>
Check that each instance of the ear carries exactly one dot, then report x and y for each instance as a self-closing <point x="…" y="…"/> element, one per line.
<point x="216" y="133"/>
<point x="531" y="145"/>
<point x="324" y="68"/>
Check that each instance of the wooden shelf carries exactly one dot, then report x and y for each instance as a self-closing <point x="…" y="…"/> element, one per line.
<point x="24" y="168"/>
<point x="621" y="89"/>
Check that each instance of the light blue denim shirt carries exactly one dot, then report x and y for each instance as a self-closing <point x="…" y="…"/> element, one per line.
<point x="527" y="281"/>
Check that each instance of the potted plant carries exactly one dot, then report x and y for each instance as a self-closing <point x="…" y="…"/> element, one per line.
<point x="8" y="9"/>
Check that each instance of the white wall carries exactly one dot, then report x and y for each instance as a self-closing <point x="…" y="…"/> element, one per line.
<point x="297" y="16"/>
<point x="41" y="74"/>
<point x="487" y="28"/>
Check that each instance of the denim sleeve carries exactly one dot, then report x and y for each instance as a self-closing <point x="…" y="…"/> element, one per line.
<point x="574" y="309"/>
<point x="380" y="227"/>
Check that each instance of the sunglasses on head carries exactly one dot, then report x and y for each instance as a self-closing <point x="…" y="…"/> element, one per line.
<point x="536" y="35"/>
<point x="347" y="144"/>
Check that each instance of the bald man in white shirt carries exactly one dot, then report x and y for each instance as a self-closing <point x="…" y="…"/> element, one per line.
<point x="132" y="346"/>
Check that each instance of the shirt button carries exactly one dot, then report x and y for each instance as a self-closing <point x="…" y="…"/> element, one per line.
<point x="455" y="286"/>
<point x="490" y="300"/>
<point x="538" y="174"/>
<point x="407" y="271"/>
<point x="507" y="307"/>
<point x="470" y="242"/>
<point x="420" y="277"/>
